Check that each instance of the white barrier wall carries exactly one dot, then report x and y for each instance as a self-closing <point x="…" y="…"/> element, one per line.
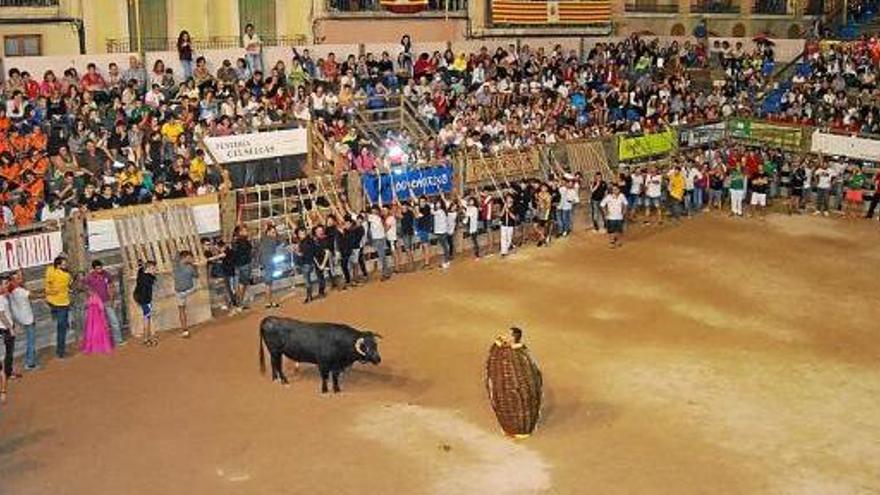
<point x="37" y="66"/>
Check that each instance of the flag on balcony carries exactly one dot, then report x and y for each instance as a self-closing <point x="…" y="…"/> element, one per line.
<point x="551" y="12"/>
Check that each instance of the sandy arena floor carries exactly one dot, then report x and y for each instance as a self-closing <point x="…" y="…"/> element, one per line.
<point x="716" y="356"/>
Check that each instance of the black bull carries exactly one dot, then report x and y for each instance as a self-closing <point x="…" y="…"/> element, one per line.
<point x="331" y="346"/>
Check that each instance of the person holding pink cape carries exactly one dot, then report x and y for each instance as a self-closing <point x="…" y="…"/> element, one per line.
<point x="96" y="337"/>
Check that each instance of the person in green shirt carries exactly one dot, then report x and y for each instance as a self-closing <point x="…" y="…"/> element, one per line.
<point x="737" y="191"/>
<point x="853" y="195"/>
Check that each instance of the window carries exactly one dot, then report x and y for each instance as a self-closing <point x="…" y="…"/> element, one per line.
<point x="23" y="45"/>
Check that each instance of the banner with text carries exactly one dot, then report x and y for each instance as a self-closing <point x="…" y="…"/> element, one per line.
<point x="848" y="146"/>
<point x="403" y="183"/>
<point x="30" y="250"/>
<point x="701" y="134"/>
<point x="102" y="233"/>
<point x="790" y="138"/>
<point x="258" y="145"/>
<point x="630" y="148"/>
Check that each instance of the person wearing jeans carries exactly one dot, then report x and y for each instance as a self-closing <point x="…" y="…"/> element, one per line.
<point x="57" y="288"/>
<point x="875" y="197"/>
<point x="508" y="222"/>
<point x="377" y="239"/>
<point x="8" y="338"/>
<point x="824" y="180"/>
<point x="23" y="316"/>
<point x="598" y="188"/>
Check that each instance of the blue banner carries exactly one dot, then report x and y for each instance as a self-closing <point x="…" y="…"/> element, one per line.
<point x="404" y="182"/>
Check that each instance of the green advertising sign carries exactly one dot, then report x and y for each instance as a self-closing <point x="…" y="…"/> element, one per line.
<point x="781" y="136"/>
<point x="630" y="148"/>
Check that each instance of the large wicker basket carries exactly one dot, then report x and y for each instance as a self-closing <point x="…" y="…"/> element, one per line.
<point x="513" y="382"/>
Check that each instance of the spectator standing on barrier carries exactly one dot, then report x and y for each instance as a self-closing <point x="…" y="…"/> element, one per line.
<point x="378" y="241"/>
<point x="8" y="335"/>
<point x="242" y="256"/>
<point x="253" y="46"/>
<point x="185" y="54"/>
<point x="614" y="205"/>
<point x="598" y="189"/>
<point x="57" y="288"/>
<point x="185" y="283"/>
<point x="143" y="296"/>
<point x="738" y="183"/>
<point x="23" y="316"/>
<point x="98" y="281"/>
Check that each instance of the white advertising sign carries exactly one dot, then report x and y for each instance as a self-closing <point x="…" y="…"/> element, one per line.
<point x="29" y="250"/>
<point x="257" y="146"/>
<point x="102" y="233"/>
<point x="848" y="146"/>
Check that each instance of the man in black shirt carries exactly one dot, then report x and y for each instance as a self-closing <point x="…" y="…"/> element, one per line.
<point x="598" y="188"/>
<point x="796" y="189"/>
<point x="309" y="254"/>
<point x="242" y="251"/>
<point x="424" y="227"/>
<point x="408" y="230"/>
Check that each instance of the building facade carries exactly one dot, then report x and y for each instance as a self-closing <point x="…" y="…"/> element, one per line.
<point x="66" y="27"/>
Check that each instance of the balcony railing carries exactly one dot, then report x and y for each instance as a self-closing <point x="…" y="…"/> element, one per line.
<point x="650" y="7"/>
<point x="771" y="7"/>
<point x="714" y="7"/>
<point x="29" y="3"/>
<point x="125" y="45"/>
<point x="354" y="6"/>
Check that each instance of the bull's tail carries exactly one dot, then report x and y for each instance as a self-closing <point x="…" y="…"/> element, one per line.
<point x="262" y="353"/>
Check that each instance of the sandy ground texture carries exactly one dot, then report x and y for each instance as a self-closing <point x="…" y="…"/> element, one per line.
<point x="713" y="356"/>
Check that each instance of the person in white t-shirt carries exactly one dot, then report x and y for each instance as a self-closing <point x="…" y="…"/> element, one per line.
<point x="451" y="222"/>
<point x="614" y="205"/>
<point x="438" y="211"/>
<point x="637" y="187"/>
<point x="6" y="332"/>
<point x="472" y="222"/>
<point x="253" y="47"/>
<point x="390" y="219"/>
<point x="376" y="233"/>
<point x="653" y="191"/>
<point x="23" y="316"/>
<point x="824" y="180"/>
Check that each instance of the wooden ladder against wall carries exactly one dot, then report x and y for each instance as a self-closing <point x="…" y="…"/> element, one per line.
<point x="588" y="157"/>
<point x="307" y="201"/>
<point x="159" y="233"/>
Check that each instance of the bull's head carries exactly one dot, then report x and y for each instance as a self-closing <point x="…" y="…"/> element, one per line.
<point x="367" y="349"/>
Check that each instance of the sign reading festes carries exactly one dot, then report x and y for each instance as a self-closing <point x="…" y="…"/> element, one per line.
<point x="29" y="250"/>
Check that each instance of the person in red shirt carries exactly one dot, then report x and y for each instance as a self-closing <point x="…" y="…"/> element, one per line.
<point x="92" y="80"/>
<point x="50" y="84"/>
<point x="31" y="87"/>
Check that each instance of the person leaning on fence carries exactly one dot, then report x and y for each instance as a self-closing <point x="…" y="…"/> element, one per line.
<point x="23" y="316"/>
<point x="143" y="296"/>
<point x="185" y="280"/>
<point x="424" y="226"/>
<point x="472" y="224"/>
<point x="378" y="240"/>
<point x="57" y="284"/>
<point x="8" y="335"/>
<point x="268" y="248"/>
<point x="308" y="252"/>
<point x="508" y="222"/>
<point x="242" y="253"/>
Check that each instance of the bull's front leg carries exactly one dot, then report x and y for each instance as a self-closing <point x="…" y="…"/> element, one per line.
<point x="325" y="373"/>
<point x="335" y="374"/>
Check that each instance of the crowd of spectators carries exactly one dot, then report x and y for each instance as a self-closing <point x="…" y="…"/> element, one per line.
<point x="835" y="87"/>
<point x="122" y="136"/>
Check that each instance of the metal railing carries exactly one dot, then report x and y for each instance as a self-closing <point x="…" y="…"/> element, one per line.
<point x="29" y="3"/>
<point x="714" y="7"/>
<point x="651" y="7"/>
<point x="771" y="7"/>
<point x="353" y="6"/>
<point x="149" y="44"/>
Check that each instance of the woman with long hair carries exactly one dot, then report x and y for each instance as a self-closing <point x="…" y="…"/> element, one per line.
<point x="185" y="54"/>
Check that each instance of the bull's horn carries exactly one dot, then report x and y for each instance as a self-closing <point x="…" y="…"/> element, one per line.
<point x="358" y="346"/>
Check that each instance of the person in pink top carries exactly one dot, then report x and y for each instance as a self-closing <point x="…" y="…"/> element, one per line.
<point x="365" y="161"/>
<point x="99" y="283"/>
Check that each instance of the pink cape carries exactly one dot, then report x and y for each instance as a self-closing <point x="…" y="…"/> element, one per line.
<point x="96" y="338"/>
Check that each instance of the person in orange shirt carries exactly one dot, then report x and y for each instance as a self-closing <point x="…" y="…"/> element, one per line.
<point x="18" y="141"/>
<point x="24" y="211"/>
<point x="38" y="139"/>
<point x="9" y="168"/>
<point x="33" y="184"/>
<point x="5" y="122"/>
